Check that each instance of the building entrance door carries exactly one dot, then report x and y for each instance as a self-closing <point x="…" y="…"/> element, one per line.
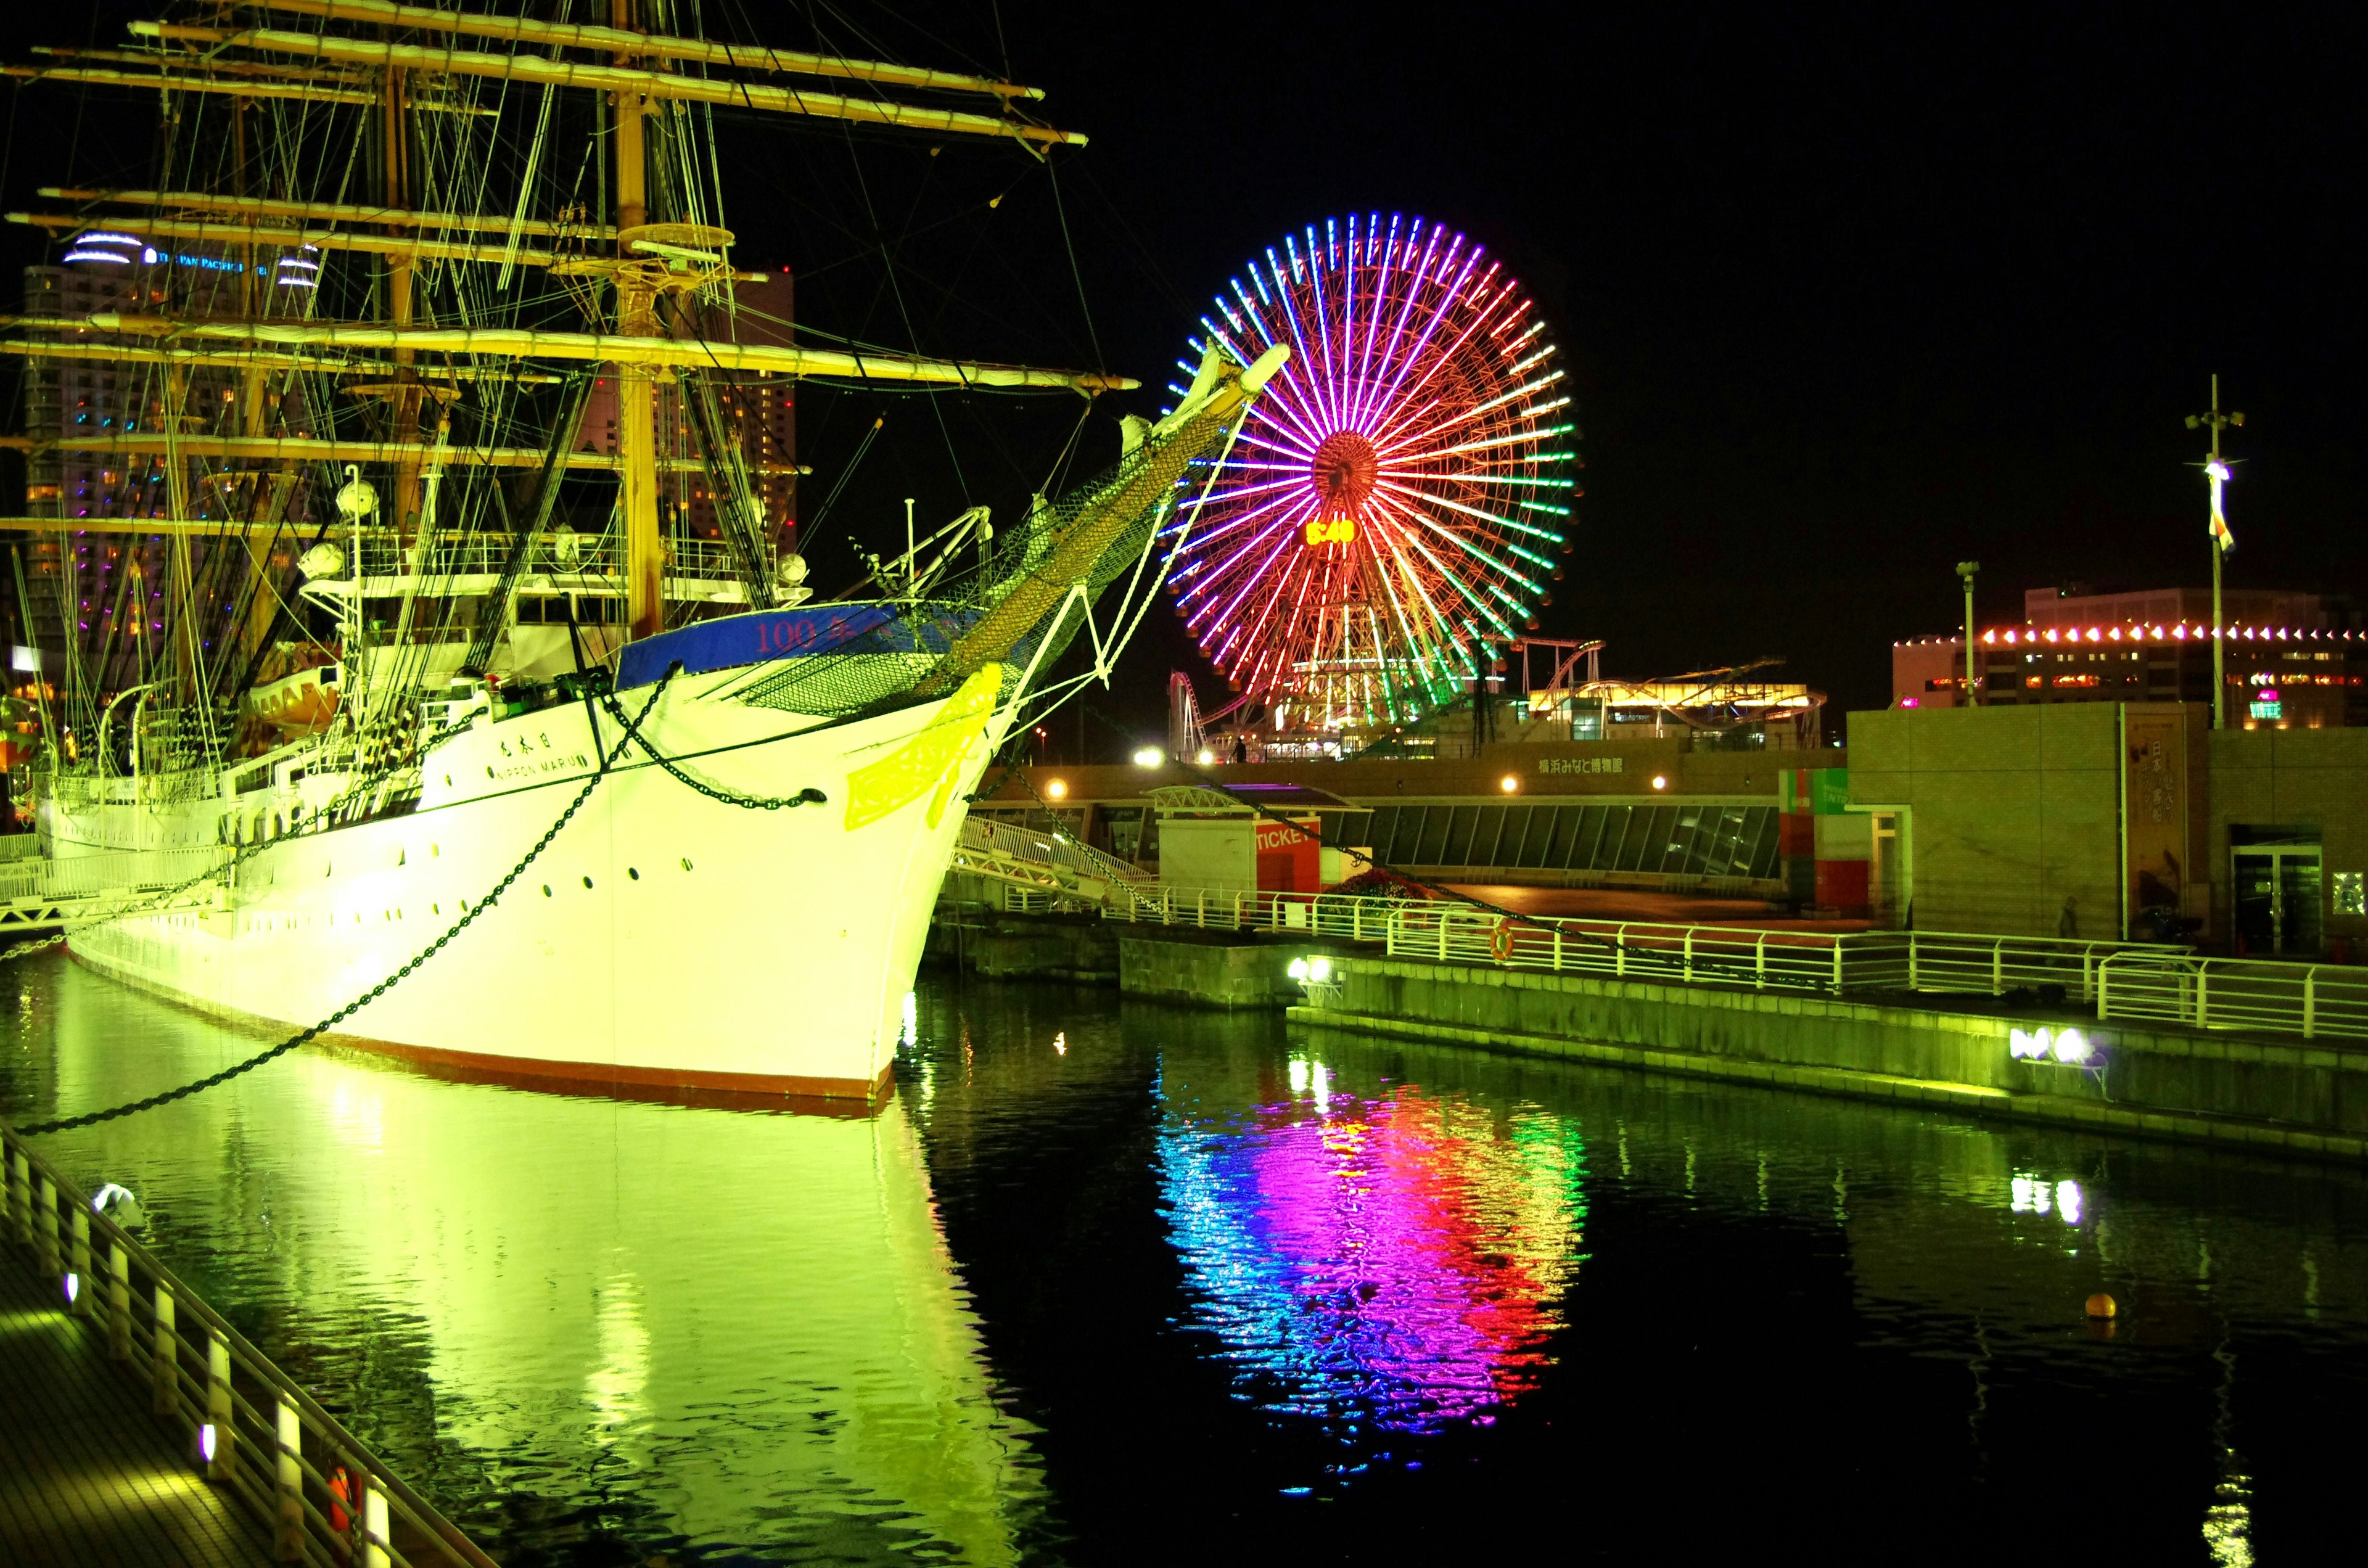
<point x="1886" y="878"/>
<point x="2277" y="900"/>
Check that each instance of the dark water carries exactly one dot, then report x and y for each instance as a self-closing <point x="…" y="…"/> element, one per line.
<point x="1116" y="1284"/>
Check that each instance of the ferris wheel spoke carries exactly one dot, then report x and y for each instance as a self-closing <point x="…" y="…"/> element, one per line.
<point x="1269" y="436"/>
<point x="1419" y="352"/>
<point x="1481" y="411"/>
<point x="1418" y="547"/>
<point x="1487" y="444"/>
<point x="1488" y="517"/>
<point x="1301" y="370"/>
<point x="1385" y="350"/>
<point x="1380" y="265"/>
<point x="1426" y="647"/>
<point x="1437" y="362"/>
<point x="1278" y="536"/>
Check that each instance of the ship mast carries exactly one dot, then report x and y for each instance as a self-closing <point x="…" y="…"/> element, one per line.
<point x="637" y="480"/>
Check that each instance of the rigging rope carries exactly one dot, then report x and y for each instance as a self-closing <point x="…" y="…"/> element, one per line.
<point x="89" y="1118"/>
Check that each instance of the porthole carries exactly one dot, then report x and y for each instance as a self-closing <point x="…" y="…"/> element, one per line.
<point x="434" y="909"/>
<point x="634" y="872"/>
<point x="587" y="881"/>
<point x="686" y="864"/>
<point x="546" y="890"/>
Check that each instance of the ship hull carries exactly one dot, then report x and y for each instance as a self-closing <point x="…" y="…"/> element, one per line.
<point x="663" y="941"/>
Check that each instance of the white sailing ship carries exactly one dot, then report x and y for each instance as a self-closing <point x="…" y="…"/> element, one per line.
<point x="742" y="800"/>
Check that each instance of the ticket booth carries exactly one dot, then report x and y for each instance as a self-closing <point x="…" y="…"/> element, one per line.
<point x="1251" y="837"/>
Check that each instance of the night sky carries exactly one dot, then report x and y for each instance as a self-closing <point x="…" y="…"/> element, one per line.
<point x="1848" y="295"/>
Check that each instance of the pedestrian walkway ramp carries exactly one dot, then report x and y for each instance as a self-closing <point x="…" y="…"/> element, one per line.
<point x="1053" y="866"/>
<point x="39" y="890"/>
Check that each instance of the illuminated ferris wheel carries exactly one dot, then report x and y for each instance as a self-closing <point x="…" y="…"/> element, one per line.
<point x="1388" y="521"/>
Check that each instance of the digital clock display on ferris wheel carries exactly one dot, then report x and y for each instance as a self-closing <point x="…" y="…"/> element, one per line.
<point x="1389" y="517"/>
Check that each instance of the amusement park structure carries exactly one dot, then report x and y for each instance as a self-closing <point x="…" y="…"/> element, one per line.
<point x="1391" y="517"/>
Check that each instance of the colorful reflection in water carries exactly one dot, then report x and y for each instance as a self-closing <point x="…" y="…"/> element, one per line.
<point x="1392" y="1261"/>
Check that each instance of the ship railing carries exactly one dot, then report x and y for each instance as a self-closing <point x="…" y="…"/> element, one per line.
<point x="249" y="1428"/>
<point x="382" y="554"/>
<point x="2315" y="1000"/>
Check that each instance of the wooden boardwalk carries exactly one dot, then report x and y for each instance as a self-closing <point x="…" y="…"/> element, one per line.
<point x="88" y="1477"/>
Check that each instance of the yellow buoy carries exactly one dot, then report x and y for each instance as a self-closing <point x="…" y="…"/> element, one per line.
<point x="2101" y="1306"/>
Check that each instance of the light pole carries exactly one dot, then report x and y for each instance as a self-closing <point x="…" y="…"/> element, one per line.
<point x="1966" y="568"/>
<point x="2223" y="541"/>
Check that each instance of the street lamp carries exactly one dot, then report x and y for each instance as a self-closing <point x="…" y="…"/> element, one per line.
<point x="2223" y="541"/>
<point x="1966" y="568"/>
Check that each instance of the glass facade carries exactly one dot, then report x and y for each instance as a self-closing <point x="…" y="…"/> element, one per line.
<point x="1679" y="838"/>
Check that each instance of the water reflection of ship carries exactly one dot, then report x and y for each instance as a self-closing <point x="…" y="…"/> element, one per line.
<point x="1373" y="1254"/>
<point x="571" y="1317"/>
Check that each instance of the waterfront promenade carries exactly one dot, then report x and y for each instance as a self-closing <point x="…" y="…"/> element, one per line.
<point x="89" y="1478"/>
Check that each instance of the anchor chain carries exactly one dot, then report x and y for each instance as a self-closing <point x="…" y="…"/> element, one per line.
<point x="806" y="797"/>
<point x="89" y="1118"/>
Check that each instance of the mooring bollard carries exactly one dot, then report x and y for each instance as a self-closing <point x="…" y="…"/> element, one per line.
<point x="45" y="1227"/>
<point x="221" y="1456"/>
<point x="78" y="1280"/>
<point x="374" y="1541"/>
<point x="291" y="1538"/>
<point x="163" y="1356"/>
<point x="119" y="1303"/>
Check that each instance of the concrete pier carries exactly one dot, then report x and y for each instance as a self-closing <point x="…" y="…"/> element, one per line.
<point x="1180" y="964"/>
<point x="2252" y="1092"/>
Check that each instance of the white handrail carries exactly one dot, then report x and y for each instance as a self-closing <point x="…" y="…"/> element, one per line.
<point x="252" y="1429"/>
<point x="2314" y="1001"/>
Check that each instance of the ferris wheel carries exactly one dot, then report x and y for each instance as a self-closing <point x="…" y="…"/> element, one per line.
<point x="1387" y="520"/>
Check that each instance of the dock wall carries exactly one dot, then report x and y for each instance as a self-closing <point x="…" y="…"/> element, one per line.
<point x="2287" y="1096"/>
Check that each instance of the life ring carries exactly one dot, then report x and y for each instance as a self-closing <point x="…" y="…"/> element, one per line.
<point x="1500" y="940"/>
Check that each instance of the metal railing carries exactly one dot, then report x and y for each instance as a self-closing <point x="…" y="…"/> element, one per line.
<point x="1046" y="867"/>
<point x="2310" y="1000"/>
<point x="1829" y="961"/>
<point x="251" y="1429"/>
<point x="1231" y="909"/>
<point x="382" y="554"/>
<point x="43" y="890"/>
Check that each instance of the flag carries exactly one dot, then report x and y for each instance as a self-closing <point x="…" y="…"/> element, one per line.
<point x="2217" y="471"/>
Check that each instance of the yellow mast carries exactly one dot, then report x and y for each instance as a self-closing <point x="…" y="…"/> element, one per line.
<point x="637" y="480"/>
<point x="403" y="399"/>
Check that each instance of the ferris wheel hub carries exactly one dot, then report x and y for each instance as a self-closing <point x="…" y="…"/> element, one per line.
<point x="1345" y="469"/>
